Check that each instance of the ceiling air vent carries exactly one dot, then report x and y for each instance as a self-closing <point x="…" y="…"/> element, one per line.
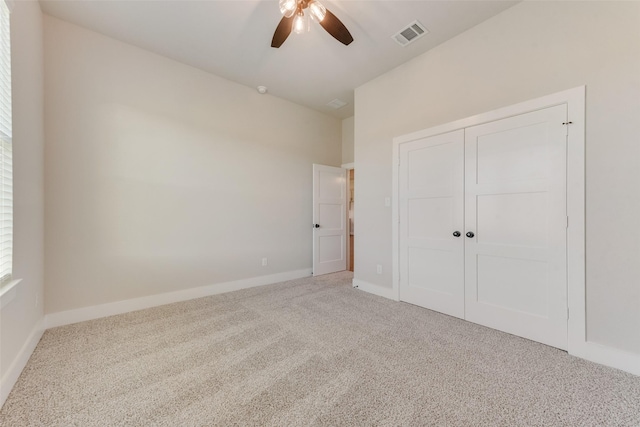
<point x="410" y="33"/>
<point x="336" y="103"/>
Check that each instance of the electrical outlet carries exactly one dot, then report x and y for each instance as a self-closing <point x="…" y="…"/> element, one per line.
<point x="379" y="269"/>
<point x="264" y="262"/>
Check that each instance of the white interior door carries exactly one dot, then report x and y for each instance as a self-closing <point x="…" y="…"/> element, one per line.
<point x="431" y="196"/>
<point x="515" y="260"/>
<point x="329" y="219"/>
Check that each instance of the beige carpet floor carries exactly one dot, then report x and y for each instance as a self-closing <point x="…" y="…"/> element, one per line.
<point x="308" y="352"/>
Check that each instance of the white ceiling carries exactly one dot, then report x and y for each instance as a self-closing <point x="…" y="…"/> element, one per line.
<point x="232" y="39"/>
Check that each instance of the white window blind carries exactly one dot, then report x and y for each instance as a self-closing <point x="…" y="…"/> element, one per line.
<point x="6" y="163"/>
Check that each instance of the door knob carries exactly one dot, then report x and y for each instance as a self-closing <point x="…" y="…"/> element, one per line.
<point x="470" y="234"/>
<point x="316" y="225"/>
<point x="456" y="234"/>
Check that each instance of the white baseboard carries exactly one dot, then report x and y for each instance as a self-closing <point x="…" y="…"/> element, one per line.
<point x="374" y="289"/>
<point x="608" y="356"/>
<point x="13" y="373"/>
<point x="103" y="310"/>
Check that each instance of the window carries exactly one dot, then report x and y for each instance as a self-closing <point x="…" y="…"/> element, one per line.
<point x="6" y="163"/>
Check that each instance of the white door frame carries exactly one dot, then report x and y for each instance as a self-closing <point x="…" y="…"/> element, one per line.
<point x="575" y="101"/>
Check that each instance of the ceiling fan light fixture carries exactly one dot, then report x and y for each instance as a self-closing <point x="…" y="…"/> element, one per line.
<point x="317" y="10"/>
<point x="300" y="23"/>
<point x="288" y="7"/>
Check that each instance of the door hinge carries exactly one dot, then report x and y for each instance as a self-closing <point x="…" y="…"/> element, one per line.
<point x="567" y="313"/>
<point x="567" y="221"/>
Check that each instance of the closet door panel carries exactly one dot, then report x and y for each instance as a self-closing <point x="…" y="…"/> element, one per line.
<point x="431" y="208"/>
<point x="515" y="261"/>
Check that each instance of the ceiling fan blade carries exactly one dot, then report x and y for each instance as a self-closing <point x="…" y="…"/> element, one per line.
<point x="332" y="24"/>
<point x="282" y="31"/>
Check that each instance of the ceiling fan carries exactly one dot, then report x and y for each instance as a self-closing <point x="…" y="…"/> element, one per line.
<point x="295" y="19"/>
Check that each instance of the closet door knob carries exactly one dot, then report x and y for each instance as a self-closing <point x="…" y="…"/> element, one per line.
<point x="456" y="234"/>
<point x="316" y="225"/>
<point x="470" y="234"/>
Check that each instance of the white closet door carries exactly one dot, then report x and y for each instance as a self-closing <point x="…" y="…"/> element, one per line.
<point x="515" y="261"/>
<point x="431" y="207"/>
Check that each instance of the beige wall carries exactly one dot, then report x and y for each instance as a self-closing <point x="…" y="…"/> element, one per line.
<point x="347" y="140"/>
<point x="161" y="177"/>
<point x="530" y="50"/>
<point x="21" y="319"/>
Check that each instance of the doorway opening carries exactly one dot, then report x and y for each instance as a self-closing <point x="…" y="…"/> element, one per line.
<point x="333" y="219"/>
<point x="350" y="213"/>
